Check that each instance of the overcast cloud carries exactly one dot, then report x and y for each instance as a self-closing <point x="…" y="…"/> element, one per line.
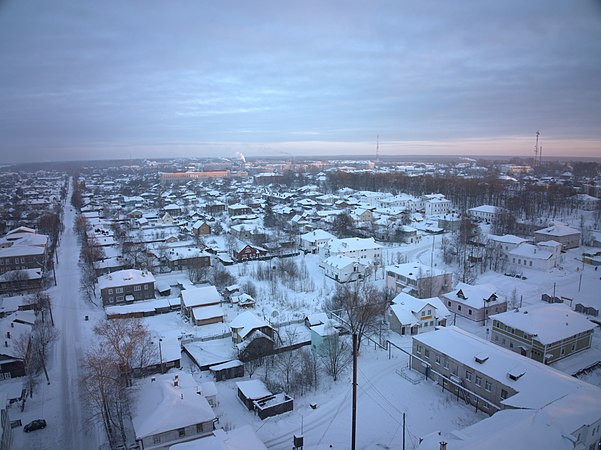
<point x="119" y="79"/>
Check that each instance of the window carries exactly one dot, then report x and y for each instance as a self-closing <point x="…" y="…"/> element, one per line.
<point x="511" y="345"/>
<point x="145" y="287"/>
<point x="111" y="299"/>
<point x="458" y="307"/>
<point x="423" y="313"/>
<point x="573" y="347"/>
<point x="478" y="381"/>
<point x="448" y="303"/>
<point x="418" y="349"/>
<point x="22" y="260"/>
<point x="469" y="311"/>
<point x="437" y="360"/>
<point x="468" y="375"/>
<point x="181" y="432"/>
<point x="446" y="364"/>
<point x="427" y="353"/>
<point x="137" y="288"/>
<point x="156" y="439"/>
<point x="120" y="298"/>
<point x="429" y="312"/>
<point x="503" y="394"/>
<point x="119" y="290"/>
<point x="530" y="263"/>
<point x="199" y="427"/>
<point x="496" y="338"/>
<point x="110" y="291"/>
<point x="487" y="386"/>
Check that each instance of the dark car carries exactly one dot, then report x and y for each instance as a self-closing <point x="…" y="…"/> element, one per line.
<point x="37" y="424"/>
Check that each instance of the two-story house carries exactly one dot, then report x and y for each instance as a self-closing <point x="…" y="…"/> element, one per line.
<point x="126" y="286"/>
<point x="544" y="332"/>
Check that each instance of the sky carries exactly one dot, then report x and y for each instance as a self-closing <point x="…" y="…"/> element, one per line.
<point x="148" y="79"/>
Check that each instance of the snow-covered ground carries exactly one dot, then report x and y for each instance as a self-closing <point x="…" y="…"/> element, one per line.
<point x="384" y="396"/>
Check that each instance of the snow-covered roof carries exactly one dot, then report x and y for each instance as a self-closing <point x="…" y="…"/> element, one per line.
<point x="537" y="386"/>
<point x="316" y="318"/>
<point x="549" y="322"/>
<point x="340" y="261"/>
<point x="207" y="312"/>
<point x="21" y="250"/>
<point x="317" y="235"/>
<point x="414" y="270"/>
<point x="160" y="406"/>
<point x="472" y="295"/>
<point x="485" y="209"/>
<point x="507" y="239"/>
<point x="253" y="389"/>
<point x="531" y="251"/>
<point x="125" y="277"/>
<point x="21" y="274"/>
<point x="558" y="230"/>
<point x="246" y="322"/>
<point x="405" y="306"/>
<point x="350" y="244"/>
<point x="199" y="296"/>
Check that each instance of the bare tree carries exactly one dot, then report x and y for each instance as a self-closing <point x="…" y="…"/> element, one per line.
<point x="30" y="363"/>
<point x="105" y="392"/>
<point x="335" y="354"/>
<point x="131" y="342"/>
<point x="360" y="306"/>
<point x="43" y="304"/>
<point x="42" y="337"/>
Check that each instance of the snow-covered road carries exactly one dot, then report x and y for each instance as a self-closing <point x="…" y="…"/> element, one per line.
<point x="72" y="431"/>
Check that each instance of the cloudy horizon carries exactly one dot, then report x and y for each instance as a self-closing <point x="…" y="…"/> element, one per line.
<point x="150" y="79"/>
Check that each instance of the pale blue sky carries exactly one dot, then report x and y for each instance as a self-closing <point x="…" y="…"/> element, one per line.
<point x="148" y="78"/>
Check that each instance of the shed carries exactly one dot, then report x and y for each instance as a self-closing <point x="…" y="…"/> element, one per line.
<point x="250" y="391"/>
<point x="228" y="370"/>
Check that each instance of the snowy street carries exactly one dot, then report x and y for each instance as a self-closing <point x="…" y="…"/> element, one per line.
<point x="59" y="402"/>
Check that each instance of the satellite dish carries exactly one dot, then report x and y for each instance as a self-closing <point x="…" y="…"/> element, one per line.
<point x="275" y="313"/>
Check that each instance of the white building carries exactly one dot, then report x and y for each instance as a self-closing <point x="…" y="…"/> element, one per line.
<point x="474" y="302"/>
<point x="484" y="213"/>
<point x="343" y="269"/>
<point x="543" y="256"/>
<point x="410" y="315"/>
<point x="365" y="250"/>
<point x="311" y="242"/>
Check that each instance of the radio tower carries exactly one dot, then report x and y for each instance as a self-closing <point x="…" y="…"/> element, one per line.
<point x="536" y="149"/>
<point x="378" y="149"/>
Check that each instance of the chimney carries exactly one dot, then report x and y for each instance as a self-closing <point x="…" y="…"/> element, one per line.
<point x="443" y="445"/>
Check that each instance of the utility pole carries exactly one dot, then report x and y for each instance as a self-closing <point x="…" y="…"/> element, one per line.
<point x="354" y="425"/>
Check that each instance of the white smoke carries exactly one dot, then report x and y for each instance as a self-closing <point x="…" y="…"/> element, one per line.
<point x="241" y="156"/>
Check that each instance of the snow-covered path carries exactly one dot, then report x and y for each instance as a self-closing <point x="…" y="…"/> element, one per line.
<point x="69" y="311"/>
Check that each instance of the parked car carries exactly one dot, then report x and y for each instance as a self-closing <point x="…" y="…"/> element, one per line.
<point x="37" y="424"/>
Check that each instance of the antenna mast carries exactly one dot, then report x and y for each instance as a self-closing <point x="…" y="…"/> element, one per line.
<point x="536" y="149"/>
<point x="378" y="148"/>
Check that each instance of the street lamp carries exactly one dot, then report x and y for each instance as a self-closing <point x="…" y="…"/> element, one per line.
<point x="161" y="354"/>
